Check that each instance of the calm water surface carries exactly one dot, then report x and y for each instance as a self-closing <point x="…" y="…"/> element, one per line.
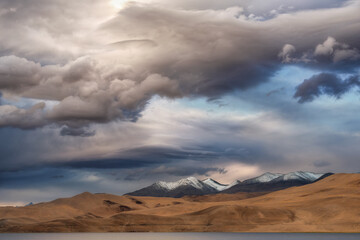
<point x="180" y="236"/>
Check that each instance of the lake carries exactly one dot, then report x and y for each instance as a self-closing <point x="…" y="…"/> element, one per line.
<point x="179" y="236"/>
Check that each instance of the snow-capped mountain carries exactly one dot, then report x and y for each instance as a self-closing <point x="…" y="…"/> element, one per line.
<point x="298" y="176"/>
<point x="266" y="182"/>
<point x="266" y="177"/>
<point x="276" y="177"/>
<point x="269" y="182"/>
<point x="186" y="186"/>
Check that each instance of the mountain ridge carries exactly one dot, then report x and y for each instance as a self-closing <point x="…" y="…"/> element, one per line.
<point x="266" y="182"/>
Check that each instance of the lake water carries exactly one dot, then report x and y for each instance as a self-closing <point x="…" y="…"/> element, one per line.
<point x="180" y="236"/>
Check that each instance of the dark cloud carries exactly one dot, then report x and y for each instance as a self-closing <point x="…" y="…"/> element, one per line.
<point x="140" y="157"/>
<point x="324" y="84"/>
<point x="214" y="145"/>
<point x="321" y="164"/>
<point x="275" y="91"/>
<point x="27" y="177"/>
<point x="176" y="171"/>
<point x="77" y="132"/>
<point x="108" y="163"/>
<point x="57" y="176"/>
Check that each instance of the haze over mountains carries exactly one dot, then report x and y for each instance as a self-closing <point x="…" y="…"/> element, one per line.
<point x="266" y="182"/>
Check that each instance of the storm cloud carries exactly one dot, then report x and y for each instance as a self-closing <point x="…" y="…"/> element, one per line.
<point x="324" y="84"/>
<point x="112" y="69"/>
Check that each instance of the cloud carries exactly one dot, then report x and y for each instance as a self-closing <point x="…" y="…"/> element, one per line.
<point x="326" y="54"/>
<point x="18" y="73"/>
<point x="77" y="132"/>
<point x="78" y="109"/>
<point x="321" y="164"/>
<point x="324" y="84"/>
<point x="286" y="52"/>
<point x="140" y="157"/>
<point x="112" y="68"/>
<point x="275" y="91"/>
<point x="174" y="172"/>
<point x="338" y="51"/>
<point x="327" y="47"/>
<point x="36" y="31"/>
<point x="11" y="116"/>
<point x="129" y="44"/>
<point x="83" y="96"/>
<point x="256" y="7"/>
<point x="184" y="139"/>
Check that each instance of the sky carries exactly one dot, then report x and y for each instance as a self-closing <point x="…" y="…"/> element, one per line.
<point x="113" y="95"/>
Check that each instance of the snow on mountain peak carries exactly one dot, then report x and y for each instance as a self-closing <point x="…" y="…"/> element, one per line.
<point x="266" y="177"/>
<point x="214" y="184"/>
<point x="233" y="183"/>
<point x="192" y="181"/>
<point x="300" y="175"/>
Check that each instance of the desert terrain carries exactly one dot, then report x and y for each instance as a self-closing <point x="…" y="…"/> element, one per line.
<point x="329" y="205"/>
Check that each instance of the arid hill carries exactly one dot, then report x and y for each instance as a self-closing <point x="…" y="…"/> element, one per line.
<point x="329" y="205"/>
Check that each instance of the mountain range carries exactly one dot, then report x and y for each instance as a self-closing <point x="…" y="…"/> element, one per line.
<point x="266" y="182"/>
<point x="329" y="204"/>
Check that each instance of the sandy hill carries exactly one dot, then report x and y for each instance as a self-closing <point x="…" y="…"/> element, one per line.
<point x="329" y="205"/>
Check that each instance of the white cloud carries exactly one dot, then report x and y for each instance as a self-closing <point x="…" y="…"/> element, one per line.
<point x="286" y="53"/>
<point x="326" y="48"/>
